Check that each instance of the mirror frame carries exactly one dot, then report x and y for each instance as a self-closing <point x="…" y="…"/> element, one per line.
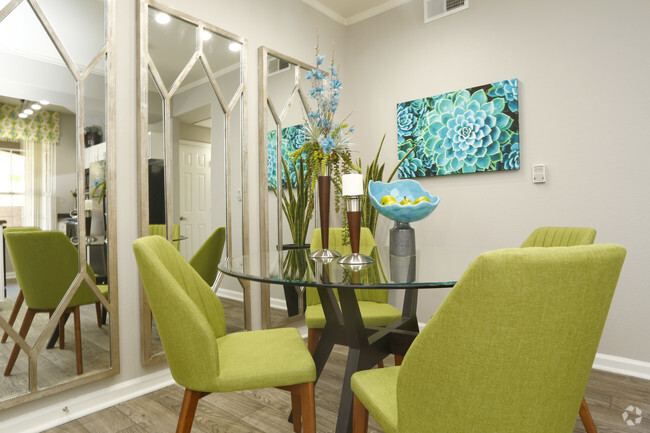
<point x="264" y="102"/>
<point x="107" y="50"/>
<point x="144" y="59"/>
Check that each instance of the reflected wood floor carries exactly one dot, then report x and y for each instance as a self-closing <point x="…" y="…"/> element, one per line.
<point x="54" y="365"/>
<point x="608" y="395"/>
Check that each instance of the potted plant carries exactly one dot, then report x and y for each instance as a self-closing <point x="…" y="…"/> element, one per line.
<point x="93" y="135"/>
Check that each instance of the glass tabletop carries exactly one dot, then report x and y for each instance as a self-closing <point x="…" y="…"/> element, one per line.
<point x="297" y="268"/>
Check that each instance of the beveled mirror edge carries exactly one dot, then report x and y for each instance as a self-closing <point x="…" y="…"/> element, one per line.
<point x="147" y="355"/>
<point x="263" y="53"/>
<point x="32" y="395"/>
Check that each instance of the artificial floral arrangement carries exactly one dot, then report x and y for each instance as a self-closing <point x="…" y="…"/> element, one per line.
<point x="327" y="143"/>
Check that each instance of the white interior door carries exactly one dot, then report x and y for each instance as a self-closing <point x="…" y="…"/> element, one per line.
<point x="195" y="195"/>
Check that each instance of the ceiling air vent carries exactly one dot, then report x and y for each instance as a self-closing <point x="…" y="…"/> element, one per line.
<point x="434" y="9"/>
<point x="277" y="66"/>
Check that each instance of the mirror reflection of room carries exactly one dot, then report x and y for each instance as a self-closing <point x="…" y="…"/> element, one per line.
<point x="193" y="131"/>
<point x="47" y="202"/>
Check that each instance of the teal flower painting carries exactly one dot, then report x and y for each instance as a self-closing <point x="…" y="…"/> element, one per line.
<point x="466" y="131"/>
<point x="293" y="137"/>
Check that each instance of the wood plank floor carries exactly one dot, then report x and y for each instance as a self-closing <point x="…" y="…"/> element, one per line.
<point x="608" y="395"/>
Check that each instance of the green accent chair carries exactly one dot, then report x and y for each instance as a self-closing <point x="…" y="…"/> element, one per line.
<point x="509" y="350"/>
<point x="201" y="357"/>
<point x="19" y="298"/>
<point x="46" y="263"/>
<point x="161" y="230"/>
<point x="566" y="237"/>
<point x="560" y="237"/>
<point x="205" y="259"/>
<point x="373" y="303"/>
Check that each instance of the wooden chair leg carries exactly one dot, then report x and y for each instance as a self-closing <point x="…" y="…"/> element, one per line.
<point x="14" y="314"/>
<point x="24" y="329"/>
<point x="77" y="339"/>
<point x="359" y="417"/>
<point x="380" y="364"/>
<point x="308" y="406"/>
<point x="586" y="418"/>
<point x="188" y="409"/>
<point x="98" y="309"/>
<point x="399" y="359"/>
<point x="313" y="335"/>
<point x="296" y="411"/>
<point x="62" y="332"/>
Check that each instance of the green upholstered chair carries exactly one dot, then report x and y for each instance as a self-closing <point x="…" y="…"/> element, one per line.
<point x="19" y="298"/>
<point x="560" y="237"/>
<point x="161" y="230"/>
<point x="509" y="350"/>
<point x="201" y="357"/>
<point x="373" y="303"/>
<point x="566" y="237"/>
<point x="205" y="259"/>
<point x="46" y="263"/>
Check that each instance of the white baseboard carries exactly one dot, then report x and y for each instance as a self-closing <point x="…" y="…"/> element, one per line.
<point x="56" y="414"/>
<point x="619" y="365"/>
<point x="276" y="303"/>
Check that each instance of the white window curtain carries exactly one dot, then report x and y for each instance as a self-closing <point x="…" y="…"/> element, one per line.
<point x="40" y="184"/>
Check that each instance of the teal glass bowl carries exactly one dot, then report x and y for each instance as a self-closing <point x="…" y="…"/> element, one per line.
<point x="399" y="189"/>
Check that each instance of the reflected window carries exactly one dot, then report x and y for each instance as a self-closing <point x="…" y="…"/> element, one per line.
<point x="12" y="184"/>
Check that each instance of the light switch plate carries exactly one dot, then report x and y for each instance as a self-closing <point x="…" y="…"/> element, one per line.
<point x="539" y="173"/>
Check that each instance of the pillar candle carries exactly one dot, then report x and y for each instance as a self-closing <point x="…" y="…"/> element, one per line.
<point x="352" y="184"/>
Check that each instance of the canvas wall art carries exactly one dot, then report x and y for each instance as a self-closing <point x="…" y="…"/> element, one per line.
<point x="466" y="131"/>
<point x="292" y="139"/>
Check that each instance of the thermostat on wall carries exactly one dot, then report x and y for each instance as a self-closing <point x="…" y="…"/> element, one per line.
<point x="539" y="173"/>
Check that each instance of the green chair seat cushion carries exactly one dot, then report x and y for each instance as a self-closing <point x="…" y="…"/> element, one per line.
<point x="373" y="313"/>
<point x="263" y="359"/>
<point x="377" y="390"/>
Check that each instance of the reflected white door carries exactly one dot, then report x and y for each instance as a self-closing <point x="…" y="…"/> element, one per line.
<point x="195" y="195"/>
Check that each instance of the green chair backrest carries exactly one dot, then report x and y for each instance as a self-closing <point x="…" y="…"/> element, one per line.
<point x="206" y="259"/>
<point x="511" y="347"/>
<point x="560" y="237"/>
<point x="46" y="263"/>
<point x="161" y="230"/>
<point x="366" y="246"/>
<point x="188" y="315"/>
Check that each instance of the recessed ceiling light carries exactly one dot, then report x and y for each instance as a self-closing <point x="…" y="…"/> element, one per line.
<point x="163" y="18"/>
<point x="44" y="102"/>
<point x="206" y="35"/>
<point x="234" y="47"/>
<point x="36" y="106"/>
<point x="28" y="111"/>
<point x="22" y="115"/>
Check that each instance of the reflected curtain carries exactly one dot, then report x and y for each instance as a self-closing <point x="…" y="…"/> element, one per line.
<point x="39" y="184"/>
<point x="38" y="134"/>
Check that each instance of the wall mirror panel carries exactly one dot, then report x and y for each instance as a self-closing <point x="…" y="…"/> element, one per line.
<point x="192" y="147"/>
<point x="57" y="125"/>
<point x="283" y="107"/>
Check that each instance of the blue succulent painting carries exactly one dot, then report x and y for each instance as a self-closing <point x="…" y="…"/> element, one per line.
<point x="466" y="131"/>
<point x="293" y="138"/>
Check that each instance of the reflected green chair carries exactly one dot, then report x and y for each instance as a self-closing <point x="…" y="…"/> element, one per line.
<point x="19" y="298"/>
<point x="566" y="237"/>
<point x="46" y="263"/>
<point x="560" y="237"/>
<point x="207" y="257"/>
<point x="373" y="303"/>
<point x="161" y="230"/>
<point x="509" y="350"/>
<point x="201" y="357"/>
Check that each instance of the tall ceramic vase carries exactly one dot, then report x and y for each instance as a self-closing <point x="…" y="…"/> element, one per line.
<point x="325" y="253"/>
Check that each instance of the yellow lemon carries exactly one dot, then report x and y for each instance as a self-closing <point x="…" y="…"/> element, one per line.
<point x="387" y="199"/>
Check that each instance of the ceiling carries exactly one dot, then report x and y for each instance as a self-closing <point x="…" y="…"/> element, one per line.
<point x="349" y="12"/>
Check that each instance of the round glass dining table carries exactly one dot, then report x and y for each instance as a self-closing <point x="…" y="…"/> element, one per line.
<point x="344" y="324"/>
